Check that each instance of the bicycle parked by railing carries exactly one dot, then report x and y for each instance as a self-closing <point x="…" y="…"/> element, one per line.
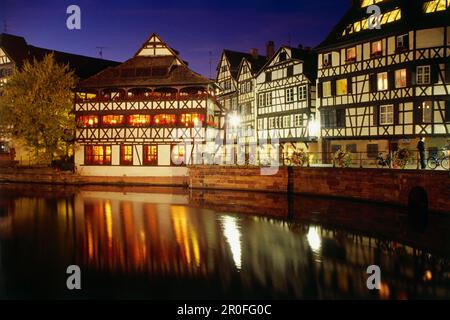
<point x="384" y="162"/>
<point x="438" y="159"/>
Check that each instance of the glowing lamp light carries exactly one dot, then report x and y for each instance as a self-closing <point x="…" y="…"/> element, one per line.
<point x="314" y="240"/>
<point x="428" y="276"/>
<point x="91" y="122"/>
<point x="313" y="127"/>
<point x="195" y="121"/>
<point x="234" y="120"/>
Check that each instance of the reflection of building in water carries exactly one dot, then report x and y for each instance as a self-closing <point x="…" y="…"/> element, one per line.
<point x="158" y="236"/>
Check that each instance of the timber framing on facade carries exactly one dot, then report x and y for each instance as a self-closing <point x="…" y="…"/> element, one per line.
<point x="378" y="89"/>
<point x="273" y="96"/>
<point x="149" y="116"/>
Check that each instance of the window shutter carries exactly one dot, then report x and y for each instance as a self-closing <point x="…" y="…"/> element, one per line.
<point x="396" y="114"/>
<point x="333" y="88"/>
<point x="447" y="111"/>
<point x="373" y="82"/>
<point x="332" y="117"/>
<point x="376" y="115"/>
<point x="447" y="72"/>
<point x="408" y="78"/>
<point x="418" y="114"/>
<point x="413" y="75"/>
<point x="320" y="89"/>
<point x="435" y="71"/>
<point x="391" y="80"/>
<point x="406" y="41"/>
<point x="349" y="85"/>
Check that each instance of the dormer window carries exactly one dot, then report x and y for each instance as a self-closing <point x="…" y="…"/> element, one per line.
<point x="350" y="55"/>
<point x="327" y="62"/>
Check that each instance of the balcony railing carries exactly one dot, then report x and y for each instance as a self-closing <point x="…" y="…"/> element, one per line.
<point x="148" y="97"/>
<point x="381" y="160"/>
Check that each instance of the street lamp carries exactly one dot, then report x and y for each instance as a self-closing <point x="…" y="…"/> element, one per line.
<point x="313" y="127"/>
<point x="234" y="120"/>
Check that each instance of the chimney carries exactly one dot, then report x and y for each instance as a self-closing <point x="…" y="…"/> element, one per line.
<point x="254" y="53"/>
<point x="300" y="46"/>
<point x="270" y="49"/>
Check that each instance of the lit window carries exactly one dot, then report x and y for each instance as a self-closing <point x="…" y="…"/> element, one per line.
<point x="326" y="89"/>
<point x="427" y="112"/>
<point x="366" y="3"/>
<point x="97" y="155"/>
<point x="88" y="121"/>
<point x="350" y="55"/>
<point x="289" y="95"/>
<point x="435" y="6"/>
<point x="400" y="78"/>
<point x="112" y="120"/>
<point x="191" y="119"/>
<point x="286" y="121"/>
<point x="382" y="81"/>
<point x="164" y="120"/>
<point x="139" y="119"/>
<point x="423" y="75"/>
<point x="386" y="115"/>
<point x="126" y="155"/>
<point x="178" y="155"/>
<point x="376" y="48"/>
<point x="302" y="93"/>
<point x="385" y="18"/>
<point x="151" y="155"/>
<point x="341" y="87"/>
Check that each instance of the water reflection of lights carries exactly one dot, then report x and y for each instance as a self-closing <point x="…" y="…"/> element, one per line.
<point x="384" y="291"/>
<point x="232" y="233"/>
<point x="428" y="276"/>
<point x="314" y="239"/>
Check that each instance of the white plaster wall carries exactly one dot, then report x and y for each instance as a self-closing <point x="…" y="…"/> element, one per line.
<point x="132" y="171"/>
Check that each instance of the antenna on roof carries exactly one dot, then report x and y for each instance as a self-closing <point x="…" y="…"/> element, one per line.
<point x="100" y="51"/>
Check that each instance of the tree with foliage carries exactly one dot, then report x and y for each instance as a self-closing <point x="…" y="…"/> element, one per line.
<point x="36" y="104"/>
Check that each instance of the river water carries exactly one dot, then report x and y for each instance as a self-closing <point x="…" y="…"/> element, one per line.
<point x="167" y="243"/>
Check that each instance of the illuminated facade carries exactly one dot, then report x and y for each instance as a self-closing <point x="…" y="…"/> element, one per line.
<point x="379" y="90"/>
<point x="272" y="96"/>
<point x="148" y="117"/>
<point x="286" y="100"/>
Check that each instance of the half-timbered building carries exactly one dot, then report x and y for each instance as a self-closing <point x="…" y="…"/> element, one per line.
<point x="148" y="117"/>
<point x="285" y="99"/>
<point x="379" y="89"/>
<point x="14" y="52"/>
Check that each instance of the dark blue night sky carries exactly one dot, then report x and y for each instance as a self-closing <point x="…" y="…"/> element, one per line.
<point x="193" y="27"/>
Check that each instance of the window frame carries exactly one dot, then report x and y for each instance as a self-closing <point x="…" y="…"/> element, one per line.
<point x="89" y="159"/>
<point x="421" y="74"/>
<point x="387" y="114"/>
<point x="145" y="153"/>
<point x="401" y="77"/>
<point x="385" y="81"/>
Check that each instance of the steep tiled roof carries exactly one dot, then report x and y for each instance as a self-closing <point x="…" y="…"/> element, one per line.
<point x="147" y="68"/>
<point x="412" y="17"/>
<point x="19" y="51"/>
<point x="235" y="58"/>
